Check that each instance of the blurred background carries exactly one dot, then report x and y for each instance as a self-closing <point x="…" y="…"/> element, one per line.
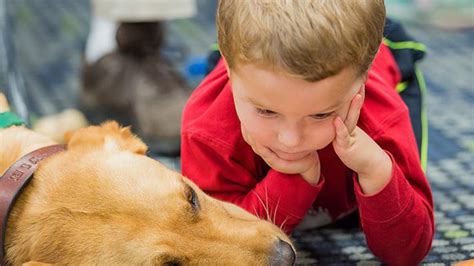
<point x="47" y="65"/>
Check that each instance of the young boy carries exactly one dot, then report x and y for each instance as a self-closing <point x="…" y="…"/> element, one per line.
<point x="301" y="124"/>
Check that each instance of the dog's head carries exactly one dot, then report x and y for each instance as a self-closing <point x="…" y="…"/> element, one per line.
<point x="104" y="202"/>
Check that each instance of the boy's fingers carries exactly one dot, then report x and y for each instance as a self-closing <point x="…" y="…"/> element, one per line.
<point x="362" y="92"/>
<point x="354" y="112"/>
<point x="342" y="133"/>
<point x="354" y="109"/>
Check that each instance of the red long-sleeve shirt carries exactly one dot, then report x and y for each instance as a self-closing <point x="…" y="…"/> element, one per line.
<point x="397" y="221"/>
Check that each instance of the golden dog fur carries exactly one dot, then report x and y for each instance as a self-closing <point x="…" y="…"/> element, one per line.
<point x="104" y="202"/>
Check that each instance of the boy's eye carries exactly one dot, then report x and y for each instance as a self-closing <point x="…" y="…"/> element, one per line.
<point x="265" y="112"/>
<point x="321" y="116"/>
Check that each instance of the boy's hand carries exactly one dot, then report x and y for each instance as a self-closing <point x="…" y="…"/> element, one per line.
<point x="309" y="167"/>
<point x="359" y="151"/>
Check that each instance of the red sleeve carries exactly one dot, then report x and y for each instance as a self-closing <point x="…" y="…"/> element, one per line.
<point x="398" y="221"/>
<point x="281" y="198"/>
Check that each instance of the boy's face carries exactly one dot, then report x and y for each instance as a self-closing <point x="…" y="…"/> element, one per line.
<point x="290" y="116"/>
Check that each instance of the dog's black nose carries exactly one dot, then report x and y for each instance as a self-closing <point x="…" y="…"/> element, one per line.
<point x="283" y="254"/>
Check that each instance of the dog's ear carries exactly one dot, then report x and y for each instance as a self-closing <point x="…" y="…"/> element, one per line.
<point x="464" y="263"/>
<point x="108" y="135"/>
<point x="35" y="263"/>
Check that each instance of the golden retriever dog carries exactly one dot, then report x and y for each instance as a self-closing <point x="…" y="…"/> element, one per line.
<point x="102" y="201"/>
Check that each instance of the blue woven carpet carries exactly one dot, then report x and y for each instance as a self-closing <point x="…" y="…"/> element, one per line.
<point x="40" y="51"/>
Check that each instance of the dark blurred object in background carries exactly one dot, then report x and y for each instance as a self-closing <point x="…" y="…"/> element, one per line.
<point x="128" y="79"/>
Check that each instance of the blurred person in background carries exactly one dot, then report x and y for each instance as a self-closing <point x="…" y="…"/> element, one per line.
<point x="126" y="78"/>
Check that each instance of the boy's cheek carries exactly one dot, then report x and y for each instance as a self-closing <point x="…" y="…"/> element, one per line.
<point x="260" y="135"/>
<point x="326" y="137"/>
<point x="321" y="134"/>
<point x="342" y="113"/>
<point x="256" y="130"/>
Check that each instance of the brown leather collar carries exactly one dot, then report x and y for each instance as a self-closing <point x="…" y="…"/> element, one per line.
<point x="14" y="180"/>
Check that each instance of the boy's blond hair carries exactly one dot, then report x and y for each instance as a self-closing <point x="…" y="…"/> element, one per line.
<point x="308" y="39"/>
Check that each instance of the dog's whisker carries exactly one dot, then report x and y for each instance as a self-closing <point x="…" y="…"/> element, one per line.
<point x="255" y="209"/>
<point x="276" y="210"/>
<point x="267" y="208"/>
<point x="264" y="205"/>
<point x="256" y="213"/>
<point x="283" y="223"/>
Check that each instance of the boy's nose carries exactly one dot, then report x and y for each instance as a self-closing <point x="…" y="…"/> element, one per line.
<point x="289" y="138"/>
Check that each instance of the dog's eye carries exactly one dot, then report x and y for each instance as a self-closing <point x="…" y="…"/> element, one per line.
<point x="193" y="199"/>
<point x="173" y="263"/>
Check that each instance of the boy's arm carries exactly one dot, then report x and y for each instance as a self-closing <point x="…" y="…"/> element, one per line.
<point x="398" y="220"/>
<point x="281" y="198"/>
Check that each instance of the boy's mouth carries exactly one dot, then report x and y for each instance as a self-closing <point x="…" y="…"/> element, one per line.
<point x="290" y="156"/>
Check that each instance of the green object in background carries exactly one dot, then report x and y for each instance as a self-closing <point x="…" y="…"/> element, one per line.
<point x="456" y="234"/>
<point x="8" y="119"/>
<point x="469" y="145"/>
